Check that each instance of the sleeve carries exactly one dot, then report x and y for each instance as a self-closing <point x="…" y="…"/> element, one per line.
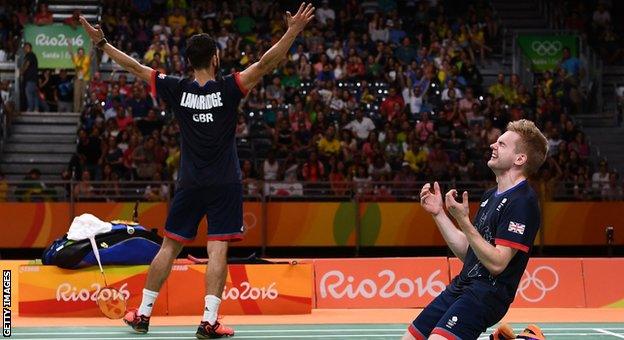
<point x="518" y="224"/>
<point x="234" y="88"/>
<point x="165" y="87"/>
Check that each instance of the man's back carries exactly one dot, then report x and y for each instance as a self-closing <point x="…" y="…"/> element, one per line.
<point x="207" y="117"/>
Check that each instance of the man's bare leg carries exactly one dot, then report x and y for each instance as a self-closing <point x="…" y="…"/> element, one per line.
<point x="158" y="272"/>
<point x="216" y="273"/>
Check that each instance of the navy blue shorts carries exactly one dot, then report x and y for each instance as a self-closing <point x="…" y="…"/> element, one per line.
<point x="461" y="315"/>
<point x="222" y="205"/>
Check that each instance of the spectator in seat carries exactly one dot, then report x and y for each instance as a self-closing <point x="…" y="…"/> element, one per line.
<point x="500" y="89"/>
<point x="451" y="88"/>
<point x="387" y="106"/>
<point x="249" y="178"/>
<point x="98" y="87"/>
<point x="242" y="129"/>
<point x="490" y="133"/>
<point x="613" y="190"/>
<point x="379" y="167"/>
<point x="43" y="16"/>
<point x="84" y="191"/>
<point x="64" y="92"/>
<point x="74" y="20"/>
<point x="600" y="178"/>
<point x="270" y="167"/>
<point x="424" y="127"/>
<point x="329" y="145"/>
<point x="157" y="191"/>
<point x="150" y="123"/>
<point x="416" y="157"/>
<point x="438" y="160"/>
<point x="361" y="126"/>
<point x="144" y="160"/>
<point x="139" y="102"/>
<point x="89" y="146"/>
<point x="324" y="13"/>
<point x="313" y="170"/>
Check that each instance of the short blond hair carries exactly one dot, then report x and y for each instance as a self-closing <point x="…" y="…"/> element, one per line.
<point x="533" y="143"/>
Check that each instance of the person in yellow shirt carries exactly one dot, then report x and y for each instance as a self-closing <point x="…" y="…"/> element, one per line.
<point x="82" y="65"/>
<point x="416" y="157"/>
<point x="176" y="19"/>
<point x="500" y="89"/>
<point x="329" y="145"/>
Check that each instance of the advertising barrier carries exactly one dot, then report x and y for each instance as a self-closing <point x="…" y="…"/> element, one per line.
<point x="545" y="283"/>
<point x="603" y="282"/>
<point x="250" y="289"/>
<point x="379" y="283"/>
<point x="47" y="291"/>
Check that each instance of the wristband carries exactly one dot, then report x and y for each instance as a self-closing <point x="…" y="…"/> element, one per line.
<point x="100" y="44"/>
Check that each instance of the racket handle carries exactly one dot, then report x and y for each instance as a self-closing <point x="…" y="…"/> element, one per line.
<point x="96" y="253"/>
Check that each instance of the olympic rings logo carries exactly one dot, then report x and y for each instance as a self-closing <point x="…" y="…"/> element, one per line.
<point x="549" y="48"/>
<point x="543" y="283"/>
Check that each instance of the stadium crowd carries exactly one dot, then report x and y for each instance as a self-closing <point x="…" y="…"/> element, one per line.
<point x="372" y="91"/>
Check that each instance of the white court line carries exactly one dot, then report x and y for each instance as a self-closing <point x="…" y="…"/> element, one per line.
<point x="340" y="330"/>
<point x="307" y="336"/>
<point x="240" y="337"/>
<point x="604" y="331"/>
<point x="303" y="330"/>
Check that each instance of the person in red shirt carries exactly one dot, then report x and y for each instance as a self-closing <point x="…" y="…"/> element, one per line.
<point x="125" y="89"/>
<point x="74" y="20"/>
<point x="387" y="106"/>
<point x="43" y="16"/>
<point x="124" y="119"/>
<point x="313" y="170"/>
<point x="99" y="87"/>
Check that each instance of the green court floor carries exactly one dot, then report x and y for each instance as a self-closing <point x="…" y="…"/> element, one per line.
<point x="298" y="332"/>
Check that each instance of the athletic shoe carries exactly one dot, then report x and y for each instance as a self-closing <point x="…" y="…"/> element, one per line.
<point x="503" y="332"/>
<point x="532" y="332"/>
<point x="140" y="323"/>
<point x="208" y="331"/>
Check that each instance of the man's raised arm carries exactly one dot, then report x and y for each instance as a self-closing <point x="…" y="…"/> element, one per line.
<point x="269" y="61"/>
<point x="126" y="62"/>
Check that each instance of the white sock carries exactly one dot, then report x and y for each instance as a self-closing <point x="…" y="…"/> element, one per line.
<point x="149" y="297"/>
<point x="211" y="308"/>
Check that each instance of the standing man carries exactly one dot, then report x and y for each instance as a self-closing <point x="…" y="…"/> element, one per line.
<point x="495" y="249"/>
<point x="82" y="63"/>
<point x="209" y="176"/>
<point x="30" y="76"/>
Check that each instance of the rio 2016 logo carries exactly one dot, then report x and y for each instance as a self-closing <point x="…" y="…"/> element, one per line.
<point x="66" y="292"/>
<point x="546" y="48"/>
<point x="245" y="291"/>
<point x="543" y="280"/>
<point x="332" y="285"/>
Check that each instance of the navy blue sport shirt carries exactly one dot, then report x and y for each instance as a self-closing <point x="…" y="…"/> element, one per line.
<point x="207" y="116"/>
<point x="511" y="219"/>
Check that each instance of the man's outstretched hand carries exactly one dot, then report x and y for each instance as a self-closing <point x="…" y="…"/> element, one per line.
<point x="95" y="32"/>
<point x="303" y="16"/>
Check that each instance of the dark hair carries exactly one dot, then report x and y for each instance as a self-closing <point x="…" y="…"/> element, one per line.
<point x="200" y="49"/>
<point x="27" y="44"/>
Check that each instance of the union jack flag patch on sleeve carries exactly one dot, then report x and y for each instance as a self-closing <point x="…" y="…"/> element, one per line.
<point x="516" y="228"/>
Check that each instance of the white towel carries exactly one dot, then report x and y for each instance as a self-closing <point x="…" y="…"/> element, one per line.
<point x="87" y="226"/>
